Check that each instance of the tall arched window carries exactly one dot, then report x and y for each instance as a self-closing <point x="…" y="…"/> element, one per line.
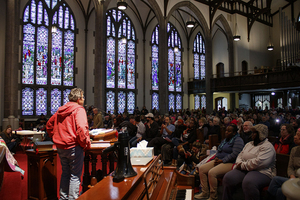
<point x="154" y="69"/>
<point x="48" y="56"/>
<point x="120" y="53"/>
<point x="199" y="57"/>
<point x="174" y="68"/>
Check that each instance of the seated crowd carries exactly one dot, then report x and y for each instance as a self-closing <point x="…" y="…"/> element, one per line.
<point x="246" y="146"/>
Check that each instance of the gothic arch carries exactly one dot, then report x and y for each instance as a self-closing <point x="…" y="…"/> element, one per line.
<point x="229" y="36"/>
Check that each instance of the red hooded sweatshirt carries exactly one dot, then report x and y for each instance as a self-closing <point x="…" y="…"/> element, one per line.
<point x="68" y="127"/>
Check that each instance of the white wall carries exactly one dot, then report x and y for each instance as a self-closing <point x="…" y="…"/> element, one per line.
<point x="220" y="52"/>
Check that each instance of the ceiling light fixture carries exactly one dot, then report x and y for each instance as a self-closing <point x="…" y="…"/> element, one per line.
<point x="236" y="37"/>
<point x="122" y="5"/>
<point x="190" y="24"/>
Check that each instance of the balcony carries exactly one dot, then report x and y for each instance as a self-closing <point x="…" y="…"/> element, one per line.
<point x="251" y="81"/>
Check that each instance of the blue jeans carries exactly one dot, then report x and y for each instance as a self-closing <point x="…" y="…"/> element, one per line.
<point x="133" y="141"/>
<point x="72" y="163"/>
<point x="275" y="187"/>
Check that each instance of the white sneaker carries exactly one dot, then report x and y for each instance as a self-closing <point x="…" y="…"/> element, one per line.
<point x="201" y="196"/>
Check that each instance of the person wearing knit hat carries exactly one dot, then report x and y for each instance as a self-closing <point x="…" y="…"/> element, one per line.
<point x="262" y="131"/>
<point x="254" y="168"/>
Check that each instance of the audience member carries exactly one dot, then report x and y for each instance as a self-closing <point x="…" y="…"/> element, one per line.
<point x="187" y="137"/>
<point x="98" y="121"/>
<point x="139" y="133"/>
<point x="144" y="111"/>
<point x="151" y="128"/>
<point x="246" y="132"/>
<point x="285" y="142"/>
<point x="166" y="149"/>
<point x="226" y="155"/>
<point x="274" y="190"/>
<point x="166" y="133"/>
<point x="255" y="166"/>
<point x="130" y="125"/>
<point x="107" y="122"/>
<point x="12" y="140"/>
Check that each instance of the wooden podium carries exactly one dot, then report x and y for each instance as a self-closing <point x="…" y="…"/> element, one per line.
<point x="42" y="177"/>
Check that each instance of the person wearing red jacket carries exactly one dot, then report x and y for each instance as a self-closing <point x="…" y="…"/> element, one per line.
<point x="69" y="130"/>
<point x="285" y="142"/>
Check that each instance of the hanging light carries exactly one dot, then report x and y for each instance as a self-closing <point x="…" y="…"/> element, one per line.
<point x="270" y="47"/>
<point x="122" y="5"/>
<point x="123" y="40"/>
<point x="190" y="24"/>
<point x="236" y="37"/>
<point x="54" y="29"/>
<point x="176" y="49"/>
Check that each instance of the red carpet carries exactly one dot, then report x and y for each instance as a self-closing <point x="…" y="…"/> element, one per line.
<point x="14" y="188"/>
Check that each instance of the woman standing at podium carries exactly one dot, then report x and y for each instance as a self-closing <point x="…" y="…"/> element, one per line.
<point x="70" y="132"/>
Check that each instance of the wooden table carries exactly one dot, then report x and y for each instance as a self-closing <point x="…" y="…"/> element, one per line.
<point x="25" y="134"/>
<point x="108" y="190"/>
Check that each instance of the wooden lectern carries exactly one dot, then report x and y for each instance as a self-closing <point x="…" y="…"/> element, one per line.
<point x="42" y="177"/>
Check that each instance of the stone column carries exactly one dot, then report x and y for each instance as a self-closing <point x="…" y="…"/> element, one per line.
<point x="208" y="76"/>
<point x="100" y="59"/>
<point x="163" y="68"/>
<point x="11" y="61"/>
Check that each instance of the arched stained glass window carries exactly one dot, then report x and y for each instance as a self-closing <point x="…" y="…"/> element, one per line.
<point x="154" y="68"/>
<point x="120" y="62"/>
<point x="174" y="67"/>
<point x="199" y="57"/>
<point x="197" y="101"/>
<point x="48" y="55"/>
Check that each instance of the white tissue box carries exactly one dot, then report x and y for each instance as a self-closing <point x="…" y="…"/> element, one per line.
<point x="141" y="152"/>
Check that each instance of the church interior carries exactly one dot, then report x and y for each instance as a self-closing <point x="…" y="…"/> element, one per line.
<point x="161" y="54"/>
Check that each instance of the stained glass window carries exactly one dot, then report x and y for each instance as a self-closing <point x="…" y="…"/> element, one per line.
<point x="155" y="101"/>
<point x="120" y="62"/>
<point x="154" y="70"/>
<point x="171" y="102"/>
<point x="174" y="67"/>
<point x="110" y="106"/>
<point x="199" y="57"/>
<point x="178" y="102"/>
<point x="27" y="101"/>
<point x="121" y="102"/>
<point x="41" y="71"/>
<point x="41" y="101"/>
<point x="55" y="100"/>
<point x="203" y="102"/>
<point x="130" y="102"/>
<point x="197" y="101"/>
<point x="66" y="96"/>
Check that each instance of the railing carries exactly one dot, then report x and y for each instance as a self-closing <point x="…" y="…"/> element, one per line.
<point x="251" y="80"/>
